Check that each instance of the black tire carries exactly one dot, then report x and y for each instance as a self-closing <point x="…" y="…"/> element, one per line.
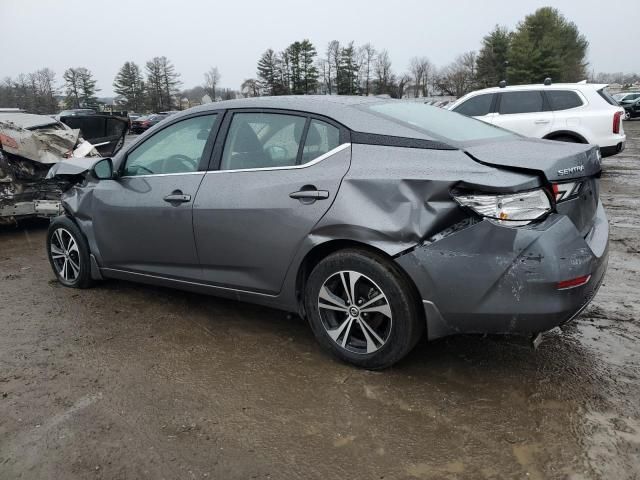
<point x="64" y="228"/>
<point x="566" y="139"/>
<point x="380" y="276"/>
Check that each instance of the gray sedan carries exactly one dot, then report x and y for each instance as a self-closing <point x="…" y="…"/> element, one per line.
<point x="377" y="220"/>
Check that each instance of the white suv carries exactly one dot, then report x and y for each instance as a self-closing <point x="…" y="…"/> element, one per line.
<point x="568" y="112"/>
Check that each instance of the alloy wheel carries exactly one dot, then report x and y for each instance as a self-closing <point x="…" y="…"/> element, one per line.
<point x="355" y="312"/>
<point x="65" y="254"/>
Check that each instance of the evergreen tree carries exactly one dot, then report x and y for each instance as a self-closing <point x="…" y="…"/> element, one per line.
<point x="347" y="73"/>
<point x="162" y="84"/>
<point x="129" y="84"/>
<point x="308" y="70"/>
<point x="80" y="88"/>
<point x="493" y="57"/>
<point x="270" y="74"/>
<point x="544" y="45"/>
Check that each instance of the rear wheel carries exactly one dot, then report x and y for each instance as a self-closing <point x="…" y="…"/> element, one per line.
<point x="68" y="253"/>
<point x="363" y="309"/>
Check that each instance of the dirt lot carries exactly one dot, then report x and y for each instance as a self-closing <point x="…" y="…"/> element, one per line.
<point x="126" y="381"/>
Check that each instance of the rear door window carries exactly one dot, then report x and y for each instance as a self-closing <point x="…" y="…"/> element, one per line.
<point x="262" y="140"/>
<point x="521" y="102"/>
<point x="321" y="138"/>
<point x="476" y="106"/>
<point x="563" y="99"/>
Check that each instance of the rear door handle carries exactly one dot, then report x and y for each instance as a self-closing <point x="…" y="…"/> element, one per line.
<point x="310" y="194"/>
<point x="542" y="122"/>
<point x="177" y="197"/>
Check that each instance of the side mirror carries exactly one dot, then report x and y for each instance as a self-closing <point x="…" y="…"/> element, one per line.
<point x="103" y="169"/>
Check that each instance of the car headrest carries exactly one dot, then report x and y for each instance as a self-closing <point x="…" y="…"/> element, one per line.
<point x="247" y="140"/>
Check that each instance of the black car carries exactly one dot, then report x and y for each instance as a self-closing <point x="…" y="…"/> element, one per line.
<point x="144" y="123"/>
<point x="631" y="108"/>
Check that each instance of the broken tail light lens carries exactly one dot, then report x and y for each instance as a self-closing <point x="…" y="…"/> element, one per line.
<point x="564" y="191"/>
<point x="514" y="210"/>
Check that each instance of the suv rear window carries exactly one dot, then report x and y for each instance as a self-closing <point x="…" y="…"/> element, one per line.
<point x="563" y="99"/>
<point x="521" y="102"/>
<point x="607" y="97"/>
<point x="476" y="106"/>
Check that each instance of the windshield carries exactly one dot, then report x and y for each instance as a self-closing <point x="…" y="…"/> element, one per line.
<point x="440" y="123"/>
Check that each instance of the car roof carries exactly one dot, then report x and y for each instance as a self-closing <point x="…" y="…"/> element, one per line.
<point x="344" y="109"/>
<point x="540" y="86"/>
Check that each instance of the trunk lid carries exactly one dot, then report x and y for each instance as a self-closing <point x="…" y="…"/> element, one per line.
<point x="557" y="161"/>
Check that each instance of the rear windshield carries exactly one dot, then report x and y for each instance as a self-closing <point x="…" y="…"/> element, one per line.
<point x="607" y="97"/>
<point x="440" y="123"/>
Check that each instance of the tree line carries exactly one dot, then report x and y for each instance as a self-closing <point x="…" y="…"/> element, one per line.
<point x="544" y="44"/>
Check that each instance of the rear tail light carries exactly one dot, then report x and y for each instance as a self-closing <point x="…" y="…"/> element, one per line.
<point x="564" y="191"/>
<point x="573" y="283"/>
<point x="617" y="119"/>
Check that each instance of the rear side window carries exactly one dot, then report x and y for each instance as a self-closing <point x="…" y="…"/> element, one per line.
<point x="262" y="140"/>
<point x="476" y="106"/>
<point x="321" y="138"/>
<point x="563" y="99"/>
<point x="521" y="102"/>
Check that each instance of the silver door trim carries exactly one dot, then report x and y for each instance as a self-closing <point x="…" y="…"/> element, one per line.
<point x="322" y="157"/>
<point x="175" y="280"/>
<point x="198" y="172"/>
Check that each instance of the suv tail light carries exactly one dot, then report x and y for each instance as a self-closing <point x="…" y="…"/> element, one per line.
<point x="617" y="119"/>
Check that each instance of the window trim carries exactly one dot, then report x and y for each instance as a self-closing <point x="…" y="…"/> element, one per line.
<point x="206" y="152"/>
<point x="545" y="103"/>
<point x="216" y="157"/>
<point x="577" y="92"/>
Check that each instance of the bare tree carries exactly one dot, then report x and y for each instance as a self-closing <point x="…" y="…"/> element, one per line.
<point x="459" y="77"/>
<point x="211" y="80"/>
<point x="250" y="88"/>
<point x="368" y="55"/>
<point x="401" y="84"/>
<point x="384" y="75"/>
<point x="333" y="63"/>
<point x="421" y="69"/>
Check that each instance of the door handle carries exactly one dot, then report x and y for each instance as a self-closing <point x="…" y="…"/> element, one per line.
<point x="177" y="197"/>
<point x="310" y="194"/>
<point x="541" y="122"/>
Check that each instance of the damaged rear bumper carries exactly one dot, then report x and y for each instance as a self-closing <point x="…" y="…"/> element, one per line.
<point x="488" y="278"/>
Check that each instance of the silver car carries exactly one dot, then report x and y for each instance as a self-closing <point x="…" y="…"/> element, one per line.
<point x="378" y="220"/>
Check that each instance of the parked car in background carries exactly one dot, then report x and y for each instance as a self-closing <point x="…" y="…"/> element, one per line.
<point x="145" y="122"/>
<point x="74" y="112"/>
<point x="631" y="108"/>
<point x="626" y="97"/>
<point x="570" y="112"/>
<point x="375" y="219"/>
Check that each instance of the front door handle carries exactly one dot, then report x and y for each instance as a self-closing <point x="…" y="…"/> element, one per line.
<point x="310" y="194"/>
<point x="177" y="197"/>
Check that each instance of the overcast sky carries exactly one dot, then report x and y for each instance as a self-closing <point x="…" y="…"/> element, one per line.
<point x="231" y="35"/>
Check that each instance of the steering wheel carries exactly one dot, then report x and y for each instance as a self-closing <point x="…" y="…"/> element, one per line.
<point x="180" y="160"/>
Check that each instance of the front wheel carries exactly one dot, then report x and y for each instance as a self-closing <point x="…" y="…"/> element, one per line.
<point x="362" y="308"/>
<point x="68" y="253"/>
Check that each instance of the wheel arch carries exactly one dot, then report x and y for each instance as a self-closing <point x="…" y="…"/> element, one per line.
<point x="323" y="250"/>
<point x="565" y="133"/>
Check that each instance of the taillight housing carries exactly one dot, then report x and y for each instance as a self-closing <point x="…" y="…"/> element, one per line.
<point x="617" y="120"/>
<point x="565" y="191"/>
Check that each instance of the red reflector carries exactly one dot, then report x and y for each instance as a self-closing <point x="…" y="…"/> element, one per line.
<point x="617" y="118"/>
<point x="574" y="282"/>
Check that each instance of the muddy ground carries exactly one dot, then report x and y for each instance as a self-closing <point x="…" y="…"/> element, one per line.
<point x="126" y="381"/>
